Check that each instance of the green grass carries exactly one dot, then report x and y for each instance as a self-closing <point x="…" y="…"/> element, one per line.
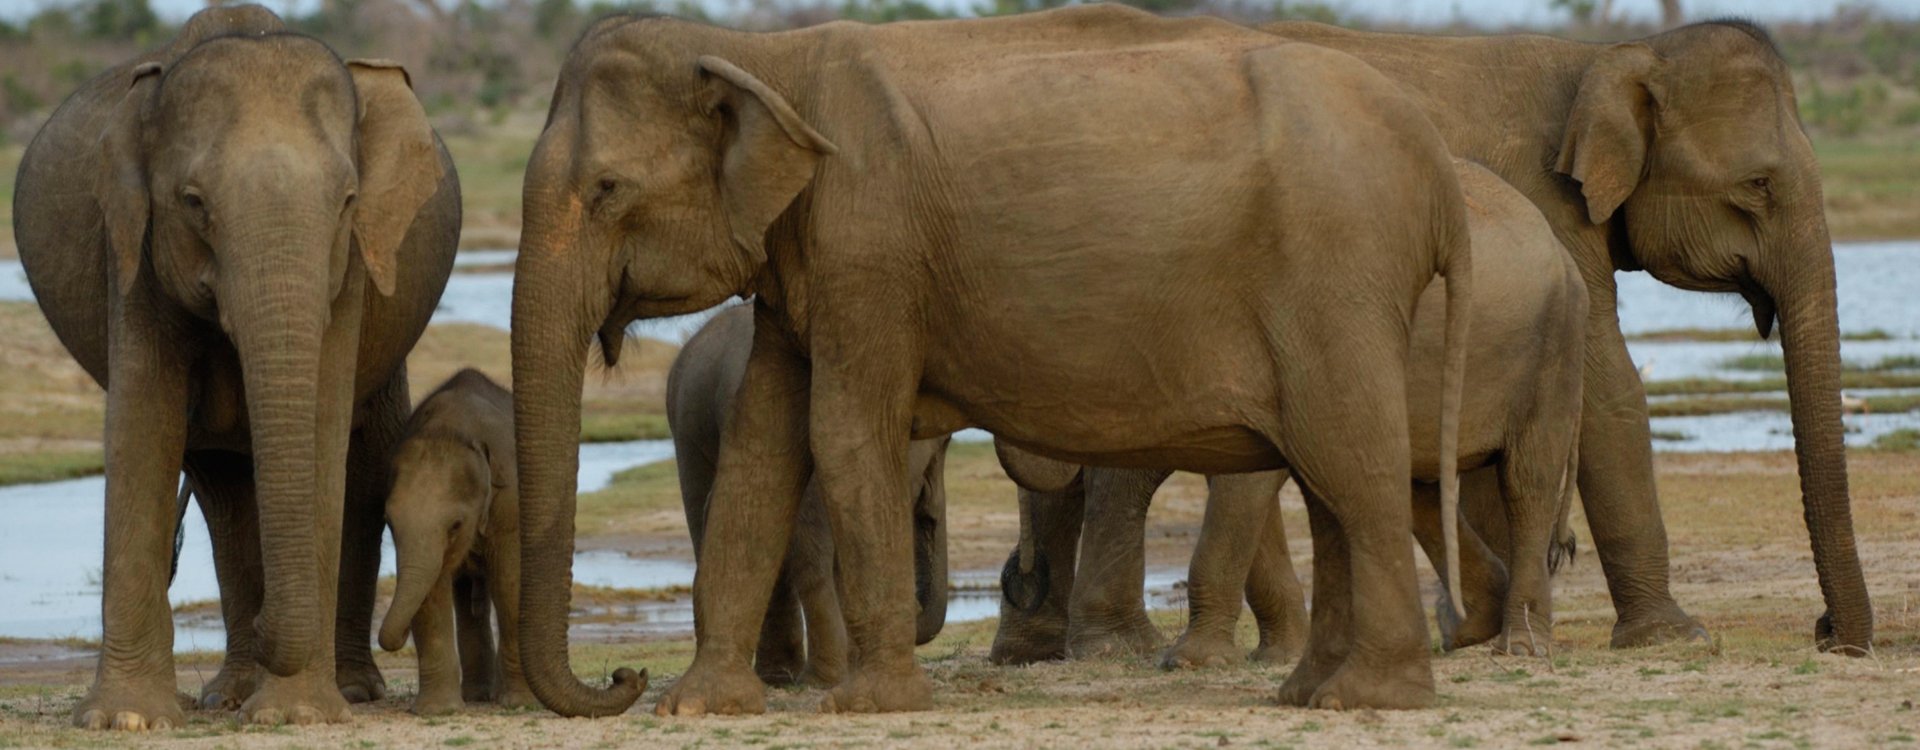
<point x="1739" y="334"/>
<point x="620" y="427"/>
<point x="1899" y="441"/>
<point x="1871" y="186"/>
<point x="1710" y="386"/>
<point x="52" y="466"/>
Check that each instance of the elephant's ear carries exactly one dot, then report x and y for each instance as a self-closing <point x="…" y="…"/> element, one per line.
<point x="121" y="184"/>
<point x="399" y="164"/>
<point x="1610" y="127"/>
<point x="769" y="151"/>
<point x="1033" y="472"/>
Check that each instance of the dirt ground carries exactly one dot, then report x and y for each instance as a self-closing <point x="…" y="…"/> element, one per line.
<point x="1741" y="564"/>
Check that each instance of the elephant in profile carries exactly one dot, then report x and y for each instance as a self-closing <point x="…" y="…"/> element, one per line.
<point x="455" y="515"/>
<point x="240" y="236"/>
<point x="812" y="649"/>
<point x="1519" y="424"/>
<point x="1682" y="155"/>
<point x="1046" y="226"/>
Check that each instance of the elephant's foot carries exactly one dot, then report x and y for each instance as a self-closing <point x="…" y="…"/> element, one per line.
<point x="1408" y="684"/>
<point x="1664" y="625"/>
<point x="704" y="689"/>
<point x="233" y="685"/>
<point x="779" y="665"/>
<point x="1481" y="625"/>
<point x="1529" y="633"/>
<point x="821" y="674"/>
<point x="1306" y="679"/>
<point x="873" y="691"/>
<point x="1136" y="637"/>
<point x="1281" y="647"/>
<point x="476" y="693"/>
<point x="1027" y="640"/>
<point x="304" y="698"/>
<point x="1195" y="650"/>
<point x="131" y="705"/>
<point x="516" y="696"/>
<point x="437" y="701"/>
<point x="360" y="682"/>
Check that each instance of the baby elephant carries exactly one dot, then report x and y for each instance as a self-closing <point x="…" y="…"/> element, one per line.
<point x="455" y="515"/>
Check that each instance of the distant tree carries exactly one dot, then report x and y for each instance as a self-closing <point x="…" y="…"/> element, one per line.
<point x="118" y="19"/>
<point x="553" y="18"/>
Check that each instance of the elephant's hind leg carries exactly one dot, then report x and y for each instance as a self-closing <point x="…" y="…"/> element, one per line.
<point x="223" y="482"/>
<point x="810" y="570"/>
<point x="1107" y="615"/>
<point x="1530" y="478"/>
<point x="1273" y="592"/>
<point x="1350" y="452"/>
<point x="1483" y="577"/>
<point x="473" y="628"/>
<point x="1230" y="536"/>
<point x="1028" y="637"/>
<point x="369" y="475"/>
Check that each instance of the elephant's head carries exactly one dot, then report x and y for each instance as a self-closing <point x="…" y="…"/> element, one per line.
<point x="254" y="182"/>
<point x="1691" y="140"/>
<point x="443" y="489"/>
<point x="650" y="193"/>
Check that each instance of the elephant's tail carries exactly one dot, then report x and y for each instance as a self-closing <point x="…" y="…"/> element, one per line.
<point x="1565" y="544"/>
<point x="179" y="528"/>
<point x="1457" y="268"/>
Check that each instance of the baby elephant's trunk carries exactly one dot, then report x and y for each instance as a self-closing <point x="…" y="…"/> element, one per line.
<point x="419" y="569"/>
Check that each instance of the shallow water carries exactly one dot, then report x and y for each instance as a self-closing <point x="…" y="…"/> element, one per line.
<point x="50" y="553"/>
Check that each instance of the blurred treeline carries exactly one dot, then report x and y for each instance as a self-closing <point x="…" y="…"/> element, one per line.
<point x="475" y="61"/>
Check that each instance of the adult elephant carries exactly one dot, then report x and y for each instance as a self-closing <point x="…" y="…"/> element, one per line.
<point x="1519" y="421"/>
<point x="809" y="650"/>
<point x="240" y="237"/>
<point x="1682" y="155"/>
<point x="994" y="222"/>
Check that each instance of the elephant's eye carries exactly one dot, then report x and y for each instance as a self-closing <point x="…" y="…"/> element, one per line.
<point x="194" y="202"/>
<point x="1761" y="184"/>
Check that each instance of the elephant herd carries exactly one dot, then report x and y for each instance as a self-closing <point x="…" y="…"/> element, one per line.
<point x="1123" y="244"/>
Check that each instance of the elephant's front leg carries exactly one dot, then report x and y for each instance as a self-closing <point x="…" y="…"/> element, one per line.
<point x="1230" y="536"/>
<point x="503" y="584"/>
<point x="810" y="571"/>
<point x="134" y="685"/>
<point x="1041" y="635"/>
<point x="1107" y="614"/>
<point x="1617" y="490"/>
<point x="764" y="463"/>
<point x="473" y="624"/>
<point x="859" y="436"/>
<point x="383" y="418"/>
<point x="223" y="482"/>
<point x="435" y="641"/>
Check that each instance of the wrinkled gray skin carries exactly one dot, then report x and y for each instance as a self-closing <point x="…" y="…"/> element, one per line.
<point x="1520" y="416"/>
<point x="700" y="390"/>
<point x="455" y="516"/>
<point x="223" y="233"/>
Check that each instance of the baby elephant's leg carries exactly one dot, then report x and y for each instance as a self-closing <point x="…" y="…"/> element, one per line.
<point x="473" y="619"/>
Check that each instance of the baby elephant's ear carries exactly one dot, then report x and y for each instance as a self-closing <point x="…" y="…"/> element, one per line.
<point x="399" y="164"/>
<point x="120" y="185"/>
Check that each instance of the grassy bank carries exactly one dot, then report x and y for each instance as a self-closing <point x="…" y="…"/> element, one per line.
<point x="52" y="413"/>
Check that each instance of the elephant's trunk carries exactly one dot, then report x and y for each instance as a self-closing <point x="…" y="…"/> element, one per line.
<point x="277" y="311"/>
<point x="552" y="323"/>
<point x="421" y="557"/>
<point x="1803" y="289"/>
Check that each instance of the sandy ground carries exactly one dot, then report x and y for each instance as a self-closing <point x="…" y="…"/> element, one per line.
<point x="1740" y="563"/>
